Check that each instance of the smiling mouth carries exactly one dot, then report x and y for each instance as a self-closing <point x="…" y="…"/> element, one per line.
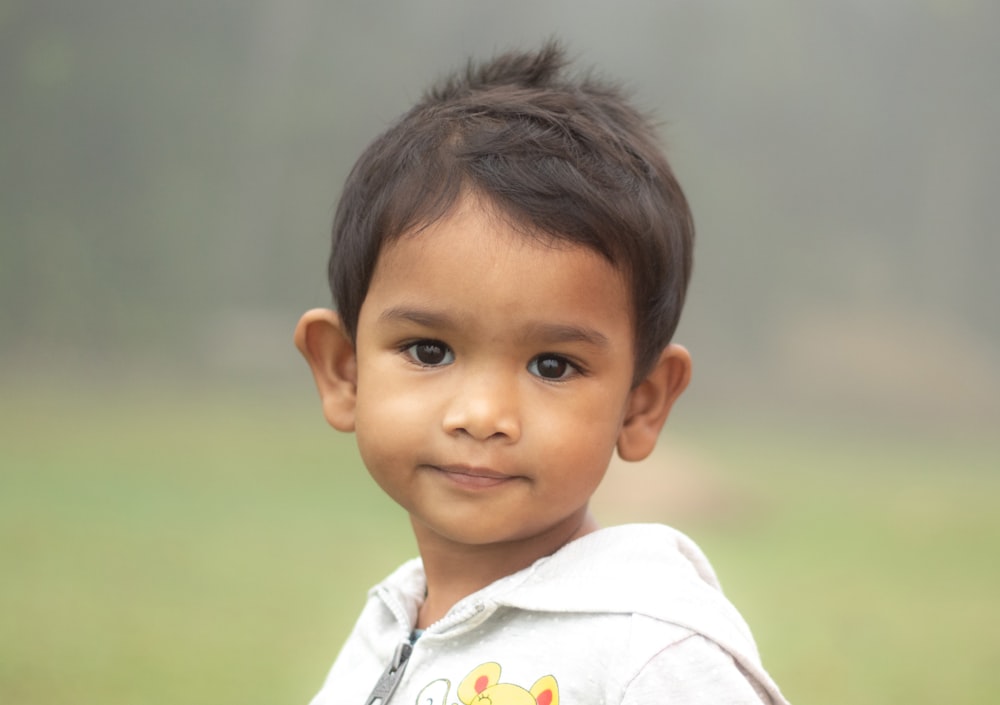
<point x="473" y="478"/>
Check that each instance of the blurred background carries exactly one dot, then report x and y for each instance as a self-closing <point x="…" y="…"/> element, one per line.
<point x="177" y="523"/>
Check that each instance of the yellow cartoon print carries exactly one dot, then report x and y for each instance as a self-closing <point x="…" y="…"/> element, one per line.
<point x="482" y="687"/>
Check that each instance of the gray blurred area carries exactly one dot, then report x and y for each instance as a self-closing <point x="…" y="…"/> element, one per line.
<point x="169" y="170"/>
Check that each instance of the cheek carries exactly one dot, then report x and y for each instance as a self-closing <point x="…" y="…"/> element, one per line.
<point x="582" y="435"/>
<point x="388" y="420"/>
<point x="393" y="399"/>
<point x="586" y="418"/>
<point x="384" y="450"/>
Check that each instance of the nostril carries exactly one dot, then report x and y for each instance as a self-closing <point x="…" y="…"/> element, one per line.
<point x="482" y="425"/>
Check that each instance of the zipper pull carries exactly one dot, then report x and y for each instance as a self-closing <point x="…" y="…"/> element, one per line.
<point x="391" y="676"/>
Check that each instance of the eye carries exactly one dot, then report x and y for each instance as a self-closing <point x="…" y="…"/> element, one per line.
<point x="551" y="367"/>
<point x="430" y="353"/>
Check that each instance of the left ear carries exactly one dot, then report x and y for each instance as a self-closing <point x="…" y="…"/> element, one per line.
<point x="650" y="402"/>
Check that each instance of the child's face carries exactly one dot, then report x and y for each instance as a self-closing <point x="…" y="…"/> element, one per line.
<point x="493" y="374"/>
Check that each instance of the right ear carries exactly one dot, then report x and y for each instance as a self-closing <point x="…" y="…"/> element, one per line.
<point x="326" y="346"/>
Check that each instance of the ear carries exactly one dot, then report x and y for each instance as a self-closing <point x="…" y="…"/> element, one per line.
<point x="545" y="691"/>
<point x="323" y="342"/>
<point x="482" y="677"/>
<point x="650" y="402"/>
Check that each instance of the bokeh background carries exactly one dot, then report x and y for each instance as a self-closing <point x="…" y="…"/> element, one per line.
<point x="177" y="524"/>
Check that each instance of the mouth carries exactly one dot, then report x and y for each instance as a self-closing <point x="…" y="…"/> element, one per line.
<point x="473" y="477"/>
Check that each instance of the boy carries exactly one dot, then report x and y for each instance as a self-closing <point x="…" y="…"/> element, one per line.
<point x="509" y="263"/>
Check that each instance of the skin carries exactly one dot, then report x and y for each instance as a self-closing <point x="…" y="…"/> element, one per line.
<point x="488" y="384"/>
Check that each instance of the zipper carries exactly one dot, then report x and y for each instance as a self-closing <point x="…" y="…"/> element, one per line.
<point x="391" y="676"/>
<point x="387" y="682"/>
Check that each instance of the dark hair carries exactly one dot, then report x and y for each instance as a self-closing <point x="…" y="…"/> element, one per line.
<point x="567" y="159"/>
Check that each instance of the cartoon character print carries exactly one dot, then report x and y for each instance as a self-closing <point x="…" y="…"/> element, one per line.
<point x="483" y="687"/>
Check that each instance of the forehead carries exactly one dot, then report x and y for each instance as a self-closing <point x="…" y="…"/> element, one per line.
<point x="487" y="271"/>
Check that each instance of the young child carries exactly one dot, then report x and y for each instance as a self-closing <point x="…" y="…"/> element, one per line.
<point x="509" y="264"/>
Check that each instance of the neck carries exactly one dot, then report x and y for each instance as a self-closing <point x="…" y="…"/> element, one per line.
<point x="456" y="570"/>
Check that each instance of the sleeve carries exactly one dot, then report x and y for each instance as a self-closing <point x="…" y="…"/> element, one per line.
<point x="694" y="671"/>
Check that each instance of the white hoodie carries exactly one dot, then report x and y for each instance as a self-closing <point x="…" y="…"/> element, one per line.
<point x="627" y="615"/>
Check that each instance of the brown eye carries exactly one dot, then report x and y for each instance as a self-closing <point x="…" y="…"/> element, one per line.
<point x="430" y="353"/>
<point x="550" y="367"/>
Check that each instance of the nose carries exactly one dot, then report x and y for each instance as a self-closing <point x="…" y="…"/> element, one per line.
<point x="484" y="406"/>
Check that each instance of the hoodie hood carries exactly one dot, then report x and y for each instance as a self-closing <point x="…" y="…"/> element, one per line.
<point x="651" y="574"/>
<point x="646" y="569"/>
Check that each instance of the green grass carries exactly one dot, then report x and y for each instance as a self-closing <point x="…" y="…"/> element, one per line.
<point x="870" y="572"/>
<point x="181" y="549"/>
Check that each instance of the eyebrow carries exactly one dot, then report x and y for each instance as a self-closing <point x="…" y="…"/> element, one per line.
<point x="422" y="317"/>
<point x="562" y="333"/>
<point x="548" y="333"/>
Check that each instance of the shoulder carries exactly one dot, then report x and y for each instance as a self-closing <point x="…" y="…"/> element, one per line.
<point x="692" y="669"/>
<point x="650" y="570"/>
